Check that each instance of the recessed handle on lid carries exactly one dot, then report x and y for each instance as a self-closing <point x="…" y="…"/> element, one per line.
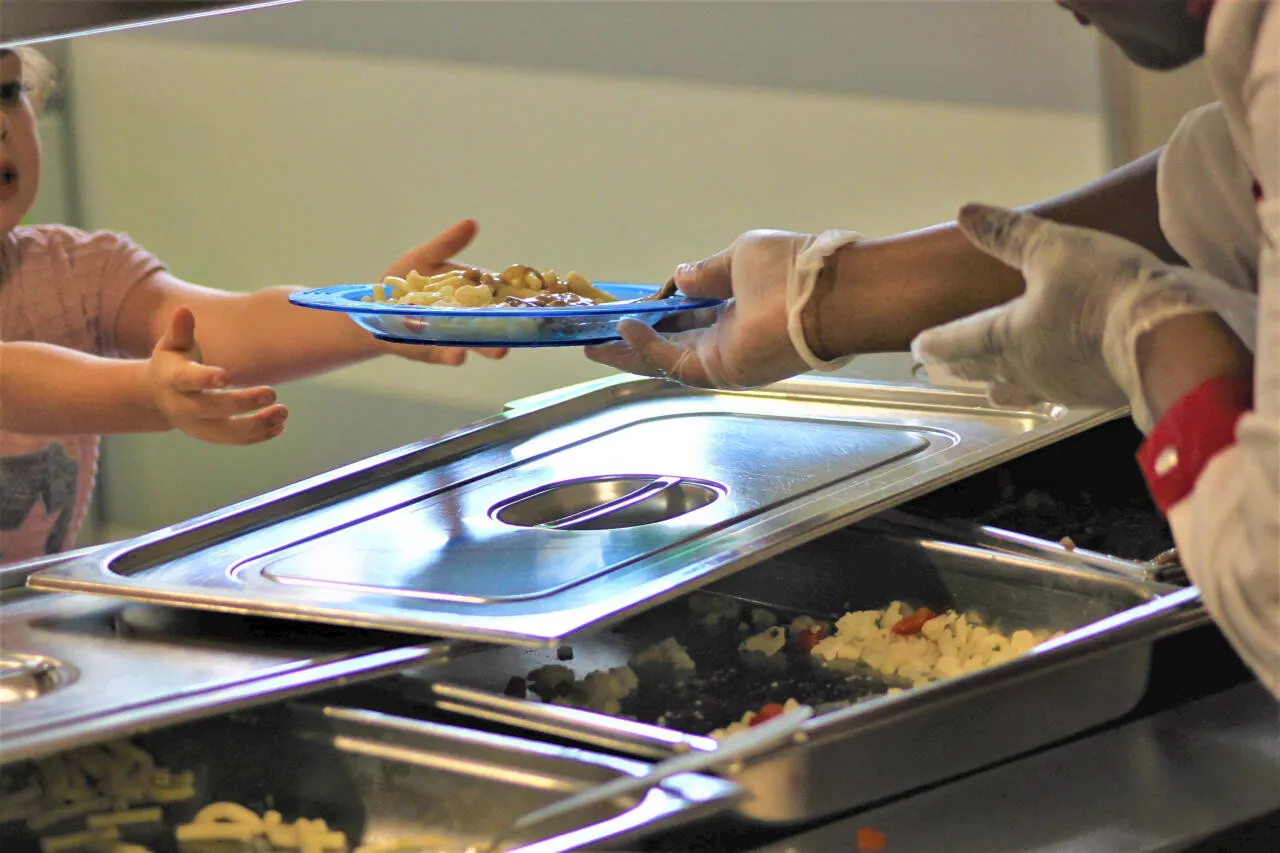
<point x="640" y="495"/>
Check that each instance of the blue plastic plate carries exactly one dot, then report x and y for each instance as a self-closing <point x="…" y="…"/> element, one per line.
<point x="497" y="326"/>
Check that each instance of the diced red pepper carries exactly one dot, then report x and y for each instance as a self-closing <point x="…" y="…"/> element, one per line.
<point x="913" y="623"/>
<point x="870" y="839"/>
<point x="810" y="637"/>
<point x="768" y="712"/>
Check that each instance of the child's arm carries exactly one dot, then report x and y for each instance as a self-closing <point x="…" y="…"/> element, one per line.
<point x="261" y="338"/>
<point x="52" y="390"/>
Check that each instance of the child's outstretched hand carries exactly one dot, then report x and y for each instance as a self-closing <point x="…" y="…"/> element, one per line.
<point x="194" y="396"/>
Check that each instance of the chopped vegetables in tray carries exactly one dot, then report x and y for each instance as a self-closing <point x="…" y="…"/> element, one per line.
<point x="863" y="654"/>
<point x="918" y="646"/>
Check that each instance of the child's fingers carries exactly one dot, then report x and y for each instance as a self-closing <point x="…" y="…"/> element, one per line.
<point x="436" y="251"/>
<point x="262" y="425"/>
<point x="492" y="352"/>
<point x="220" y="405"/>
<point x="181" y="334"/>
<point x="244" y="429"/>
<point x="190" y="377"/>
<point x="451" y="356"/>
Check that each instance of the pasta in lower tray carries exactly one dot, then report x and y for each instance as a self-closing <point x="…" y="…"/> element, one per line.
<point x="322" y="780"/>
<point x="114" y="798"/>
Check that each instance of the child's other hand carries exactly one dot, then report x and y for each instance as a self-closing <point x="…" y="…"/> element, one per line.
<point x="195" y="399"/>
<point x="430" y="258"/>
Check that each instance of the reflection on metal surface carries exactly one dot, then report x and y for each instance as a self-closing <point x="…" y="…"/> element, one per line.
<point x="617" y="734"/>
<point x="27" y="677"/>
<point x="1159" y="783"/>
<point x="119" y="667"/>
<point x="603" y="503"/>
<point x="411" y="540"/>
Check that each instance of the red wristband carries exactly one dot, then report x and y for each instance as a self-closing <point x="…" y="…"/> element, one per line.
<point x="1191" y="432"/>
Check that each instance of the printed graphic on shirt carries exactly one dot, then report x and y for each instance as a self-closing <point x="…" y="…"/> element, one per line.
<point x="41" y="483"/>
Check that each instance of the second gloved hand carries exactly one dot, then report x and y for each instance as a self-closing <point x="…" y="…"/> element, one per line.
<point x="750" y="340"/>
<point x="1072" y="336"/>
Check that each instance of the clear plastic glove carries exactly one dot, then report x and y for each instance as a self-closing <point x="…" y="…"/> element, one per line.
<point x="1072" y="336"/>
<point x="752" y="339"/>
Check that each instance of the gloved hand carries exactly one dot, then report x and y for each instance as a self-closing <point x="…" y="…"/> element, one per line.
<point x="1072" y="336"/>
<point x="752" y="339"/>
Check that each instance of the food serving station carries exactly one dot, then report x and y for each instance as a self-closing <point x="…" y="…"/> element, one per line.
<point x="561" y="628"/>
<point x="346" y="648"/>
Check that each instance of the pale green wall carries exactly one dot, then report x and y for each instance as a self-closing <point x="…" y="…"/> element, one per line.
<point x="244" y="163"/>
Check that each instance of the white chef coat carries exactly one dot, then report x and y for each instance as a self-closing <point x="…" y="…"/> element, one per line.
<point x="1228" y="527"/>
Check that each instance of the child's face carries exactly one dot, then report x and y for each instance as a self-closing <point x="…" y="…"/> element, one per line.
<point x="1159" y="34"/>
<point x="19" y="145"/>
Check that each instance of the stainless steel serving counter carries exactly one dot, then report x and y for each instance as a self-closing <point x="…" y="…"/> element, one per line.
<point x="605" y="533"/>
<point x="1181" y="779"/>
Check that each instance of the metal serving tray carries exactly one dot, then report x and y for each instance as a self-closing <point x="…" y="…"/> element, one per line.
<point x="883" y="745"/>
<point x="378" y="777"/>
<point x="77" y="670"/>
<point x="570" y="512"/>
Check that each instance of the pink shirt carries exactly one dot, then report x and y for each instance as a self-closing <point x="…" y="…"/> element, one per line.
<point x="62" y="286"/>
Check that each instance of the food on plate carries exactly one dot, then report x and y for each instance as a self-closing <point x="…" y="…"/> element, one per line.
<point x="518" y="286"/>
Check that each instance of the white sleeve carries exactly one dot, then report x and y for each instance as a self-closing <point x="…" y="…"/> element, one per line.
<point x="1205" y="192"/>
<point x="1228" y="528"/>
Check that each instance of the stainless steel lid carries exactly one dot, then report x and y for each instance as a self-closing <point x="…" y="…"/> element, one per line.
<point x="572" y="511"/>
<point x="27" y="21"/>
<point x="27" y="677"/>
